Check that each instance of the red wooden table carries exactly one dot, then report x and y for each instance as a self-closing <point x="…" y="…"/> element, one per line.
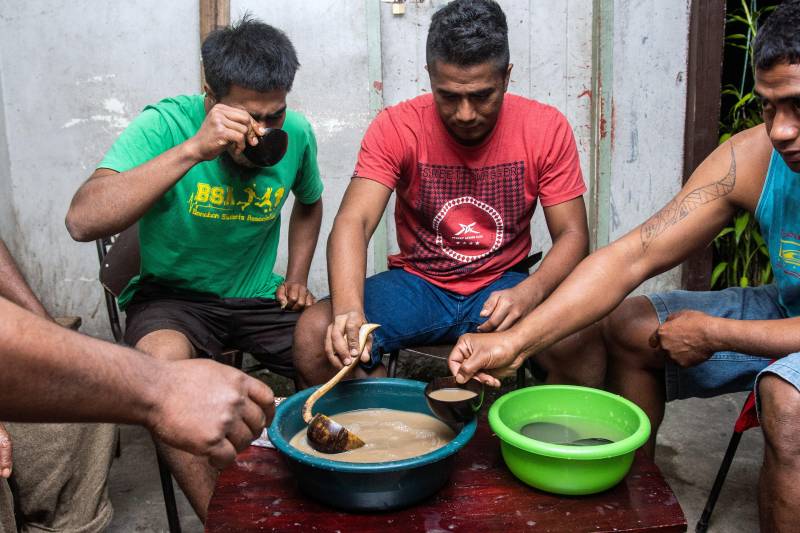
<point x="258" y="493"/>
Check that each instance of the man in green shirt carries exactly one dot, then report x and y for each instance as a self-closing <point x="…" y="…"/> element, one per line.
<point x="209" y="218"/>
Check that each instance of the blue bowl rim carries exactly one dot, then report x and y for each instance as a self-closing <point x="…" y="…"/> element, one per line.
<point x="559" y="451"/>
<point x="298" y="399"/>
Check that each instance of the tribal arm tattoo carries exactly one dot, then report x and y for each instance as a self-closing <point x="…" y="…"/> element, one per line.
<point x="678" y="209"/>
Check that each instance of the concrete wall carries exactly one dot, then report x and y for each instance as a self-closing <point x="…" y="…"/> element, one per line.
<point x="8" y="223"/>
<point x="650" y="60"/>
<point x="73" y="74"/>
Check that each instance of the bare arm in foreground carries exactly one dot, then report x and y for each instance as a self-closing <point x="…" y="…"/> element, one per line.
<point x="730" y="178"/>
<point x="14" y="287"/>
<point x="52" y="374"/>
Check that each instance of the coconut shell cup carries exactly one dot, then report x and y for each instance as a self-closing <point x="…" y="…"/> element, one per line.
<point x="270" y="149"/>
<point x="456" y="412"/>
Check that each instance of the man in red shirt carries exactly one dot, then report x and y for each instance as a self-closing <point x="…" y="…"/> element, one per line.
<point x="469" y="164"/>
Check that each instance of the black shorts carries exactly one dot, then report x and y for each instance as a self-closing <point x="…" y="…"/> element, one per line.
<point x="213" y="325"/>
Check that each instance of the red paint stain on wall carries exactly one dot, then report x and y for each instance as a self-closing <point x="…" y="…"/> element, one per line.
<point x="613" y="121"/>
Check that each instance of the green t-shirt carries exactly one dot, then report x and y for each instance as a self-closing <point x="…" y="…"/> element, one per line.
<point x="216" y="230"/>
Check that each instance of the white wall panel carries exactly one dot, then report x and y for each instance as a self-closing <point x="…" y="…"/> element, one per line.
<point x="650" y="58"/>
<point x="74" y="74"/>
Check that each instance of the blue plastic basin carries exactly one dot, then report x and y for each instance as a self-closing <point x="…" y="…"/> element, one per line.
<point x="365" y="486"/>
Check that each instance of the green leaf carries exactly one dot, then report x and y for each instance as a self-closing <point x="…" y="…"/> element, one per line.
<point x="756" y="235"/>
<point x="718" y="270"/>
<point x="742" y="101"/>
<point x="743" y="282"/>
<point x="724" y="232"/>
<point x="740" y="223"/>
<point x="750" y="257"/>
<point x="766" y="275"/>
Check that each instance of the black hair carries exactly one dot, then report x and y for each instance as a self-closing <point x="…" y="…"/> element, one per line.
<point x="467" y="33"/>
<point x="778" y="40"/>
<point x="250" y="54"/>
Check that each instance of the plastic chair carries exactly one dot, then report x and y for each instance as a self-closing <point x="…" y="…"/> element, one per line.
<point x="748" y="418"/>
<point x="119" y="263"/>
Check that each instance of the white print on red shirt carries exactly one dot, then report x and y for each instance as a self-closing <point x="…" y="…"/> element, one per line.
<point x="468" y="229"/>
<point x="465" y="217"/>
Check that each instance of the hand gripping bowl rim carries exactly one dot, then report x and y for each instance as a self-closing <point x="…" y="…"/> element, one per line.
<point x="282" y="445"/>
<point x="560" y="451"/>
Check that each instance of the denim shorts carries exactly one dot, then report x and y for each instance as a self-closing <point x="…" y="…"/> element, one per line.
<point x="725" y="372"/>
<point x="415" y="312"/>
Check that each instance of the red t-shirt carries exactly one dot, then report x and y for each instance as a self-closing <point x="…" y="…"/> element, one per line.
<point x="463" y="213"/>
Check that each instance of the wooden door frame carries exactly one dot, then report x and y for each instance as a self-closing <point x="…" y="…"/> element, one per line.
<point x="703" y="85"/>
<point x="213" y="14"/>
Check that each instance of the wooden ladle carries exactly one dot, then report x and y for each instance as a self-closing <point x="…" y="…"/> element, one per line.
<point x="323" y="434"/>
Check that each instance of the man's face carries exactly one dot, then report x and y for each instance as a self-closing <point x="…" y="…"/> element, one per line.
<point x="267" y="109"/>
<point x="778" y="89"/>
<point x="468" y="99"/>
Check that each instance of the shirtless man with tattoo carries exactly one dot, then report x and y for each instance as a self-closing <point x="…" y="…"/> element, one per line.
<point x="652" y="349"/>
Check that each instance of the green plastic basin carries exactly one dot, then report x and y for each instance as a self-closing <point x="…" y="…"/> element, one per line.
<point x="559" y="468"/>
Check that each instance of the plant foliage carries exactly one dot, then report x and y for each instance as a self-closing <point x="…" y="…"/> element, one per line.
<point x="741" y="258"/>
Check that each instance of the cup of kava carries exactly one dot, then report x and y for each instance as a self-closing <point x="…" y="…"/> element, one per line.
<point x="453" y="402"/>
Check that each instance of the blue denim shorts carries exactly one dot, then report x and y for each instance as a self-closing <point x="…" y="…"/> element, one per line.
<point x="415" y="312"/>
<point x="725" y="372"/>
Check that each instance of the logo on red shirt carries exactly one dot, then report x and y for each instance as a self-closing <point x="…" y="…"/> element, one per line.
<point x="468" y="229"/>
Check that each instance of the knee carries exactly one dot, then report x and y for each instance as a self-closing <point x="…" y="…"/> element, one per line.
<point x="627" y="330"/>
<point x="166" y="344"/>
<point x="780" y="419"/>
<point x="579" y="359"/>
<point x="309" y="333"/>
